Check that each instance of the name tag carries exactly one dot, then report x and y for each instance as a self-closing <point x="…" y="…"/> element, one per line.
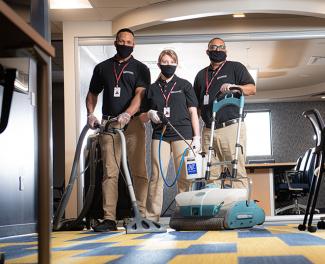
<point x="117" y="91"/>
<point x="128" y="72"/>
<point x="206" y="99"/>
<point x="167" y="111"/>
<point x="221" y="77"/>
<point x="173" y="92"/>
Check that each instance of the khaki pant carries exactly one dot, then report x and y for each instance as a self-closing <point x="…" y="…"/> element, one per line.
<point x="224" y="143"/>
<point x="135" y="145"/>
<point x="155" y="191"/>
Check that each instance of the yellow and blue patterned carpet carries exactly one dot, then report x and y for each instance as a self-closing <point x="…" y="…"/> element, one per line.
<point x="263" y="244"/>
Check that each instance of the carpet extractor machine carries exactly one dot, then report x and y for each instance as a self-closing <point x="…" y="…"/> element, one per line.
<point x="216" y="205"/>
<point x="135" y="225"/>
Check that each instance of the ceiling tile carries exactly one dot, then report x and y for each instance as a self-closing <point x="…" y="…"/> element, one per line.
<point x="74" y="14"/>
<point x="111" y="13"/>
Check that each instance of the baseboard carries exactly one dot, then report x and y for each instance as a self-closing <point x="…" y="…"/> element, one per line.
<point x="19" y="229"/>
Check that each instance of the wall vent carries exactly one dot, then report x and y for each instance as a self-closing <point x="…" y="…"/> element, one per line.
<point x="316" y="60"/>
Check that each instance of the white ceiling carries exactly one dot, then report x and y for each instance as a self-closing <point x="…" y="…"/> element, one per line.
<point x="102" y="10"/>
<point x="284" y="73"/>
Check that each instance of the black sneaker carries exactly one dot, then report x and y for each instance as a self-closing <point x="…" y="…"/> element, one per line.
<point x="106" y="226"/>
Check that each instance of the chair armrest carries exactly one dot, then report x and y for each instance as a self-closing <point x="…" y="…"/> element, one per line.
<point x="289" y="175"/>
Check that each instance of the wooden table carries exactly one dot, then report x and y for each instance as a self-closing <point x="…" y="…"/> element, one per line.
<point x="263" y="184"/>
<point x="16" y="34"/>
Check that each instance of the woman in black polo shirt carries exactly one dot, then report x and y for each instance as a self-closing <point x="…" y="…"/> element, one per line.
<point x="175" y="98"/>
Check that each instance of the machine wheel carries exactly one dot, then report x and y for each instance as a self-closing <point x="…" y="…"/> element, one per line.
<point x="312" y="229"/>
<point x="321" y="225"/>
<point x="301" y="227"/>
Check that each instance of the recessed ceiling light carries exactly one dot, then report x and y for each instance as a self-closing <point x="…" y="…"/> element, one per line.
<point x="323" y="97"/>
<point x="180" y="18"/>
<point x="69" y="4"/>
<point x="238" y="15"/>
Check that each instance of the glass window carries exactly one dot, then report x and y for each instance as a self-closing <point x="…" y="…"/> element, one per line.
<point x="258" y="130"/>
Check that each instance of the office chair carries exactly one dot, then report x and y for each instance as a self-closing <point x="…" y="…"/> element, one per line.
<point x="297" y="182"/>
<point x="319" y="128"/>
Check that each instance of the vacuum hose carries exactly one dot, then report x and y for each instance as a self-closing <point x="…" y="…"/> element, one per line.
<point x="73" y="176"/>
<point x="160" y="165"/>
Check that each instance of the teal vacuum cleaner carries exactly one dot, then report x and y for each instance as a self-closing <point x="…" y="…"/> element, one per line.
<point x="216" y="205"/>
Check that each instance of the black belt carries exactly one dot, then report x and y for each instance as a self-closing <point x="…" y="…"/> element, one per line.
<point x="228" y="123"/>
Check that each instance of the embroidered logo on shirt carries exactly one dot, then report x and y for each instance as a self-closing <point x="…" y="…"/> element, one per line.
<point x="179" y="91"/>
<point x="129" y="72"/>
<point x="221" y="77"/>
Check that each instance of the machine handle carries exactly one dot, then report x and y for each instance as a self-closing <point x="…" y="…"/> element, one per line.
<point x="105" y="128"/>
<point x="233" y="89"/>
<point x="7" y="78"/>
<point x="237" y="89"/>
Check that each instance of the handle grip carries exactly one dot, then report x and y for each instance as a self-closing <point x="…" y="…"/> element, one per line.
<point x="8" y="80"/>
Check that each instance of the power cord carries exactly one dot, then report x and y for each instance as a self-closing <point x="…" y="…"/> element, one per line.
<point x="160" y="165"/>
<point x="163" y="214"/>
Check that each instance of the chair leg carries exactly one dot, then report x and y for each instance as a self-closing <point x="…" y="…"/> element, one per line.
<point x="304" y="207"/>
<point x="297" y="209"/>
<point x="279" y="210"/>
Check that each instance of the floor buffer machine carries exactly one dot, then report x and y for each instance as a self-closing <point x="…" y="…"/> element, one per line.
<point x="211" y="206"/>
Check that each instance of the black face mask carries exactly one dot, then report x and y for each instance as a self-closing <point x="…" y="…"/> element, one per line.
<point x="217" y="55"/>
<point x="168" y="70"/>
<point x="124" y="51"/>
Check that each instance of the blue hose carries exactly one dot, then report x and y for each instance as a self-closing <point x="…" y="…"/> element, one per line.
<point x="160" y="167"/>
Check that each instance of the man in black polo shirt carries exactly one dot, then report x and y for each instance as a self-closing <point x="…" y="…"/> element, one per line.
<point x="123" y="80"/>
<point x="220" y="75"/>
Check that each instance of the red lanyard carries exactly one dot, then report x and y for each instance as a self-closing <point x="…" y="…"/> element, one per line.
<point x="118" y="77"/>
<point x="207" y="83"/>
<point x="162" y="92"/>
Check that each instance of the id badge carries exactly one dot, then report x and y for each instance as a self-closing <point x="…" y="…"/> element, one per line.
<point x="117" y="91"/>
<point x="206" y="99"/>
<point x="167" y="111"/>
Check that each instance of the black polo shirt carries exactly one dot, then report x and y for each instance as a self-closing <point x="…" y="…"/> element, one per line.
<point x="232" y="72"/>
<point x="182" y="96"/>
<point x="134" y="75"/>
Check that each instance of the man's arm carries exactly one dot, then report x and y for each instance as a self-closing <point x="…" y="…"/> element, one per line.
<point x="91" y="101"/>
<point x="248" y="89"/>
<point x="197" y="90"/>
<point x="134" y="106"/>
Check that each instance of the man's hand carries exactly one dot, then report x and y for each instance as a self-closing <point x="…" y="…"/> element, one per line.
<point x="196" y="144"/>
<point x="123" y="119"/>
<point x="225" y="88"/>
<point x="153" y="116"/>
<point x="92" y="120"/>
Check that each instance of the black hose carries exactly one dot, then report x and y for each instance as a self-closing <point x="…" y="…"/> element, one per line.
<point x="73" y="176"/>
<point x="92" y="183"/>
<point x="165" y="121"/>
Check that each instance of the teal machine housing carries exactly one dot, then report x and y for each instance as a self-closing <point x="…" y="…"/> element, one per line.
<point x="196" y="211"/>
